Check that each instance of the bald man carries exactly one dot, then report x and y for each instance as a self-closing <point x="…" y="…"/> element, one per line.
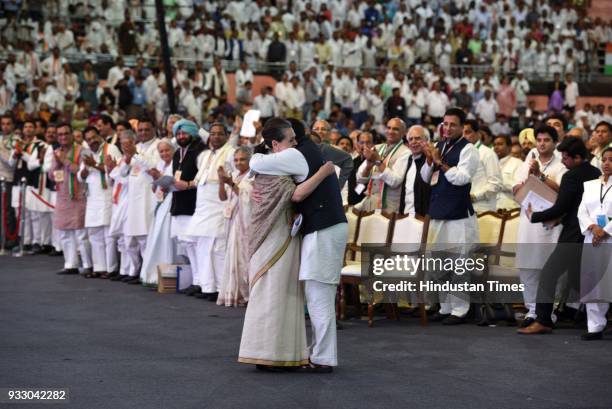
<point x="375" y="176"/>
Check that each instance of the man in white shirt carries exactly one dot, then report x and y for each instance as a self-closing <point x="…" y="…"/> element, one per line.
<point x="571" y="92"/>
<point x="295" y="99"/>
<point x="266" y="104"/>
<point x="508" y="167"/>
<point x="437" y="102"/>
<point x="542" y="163"/>
<point x="99" y="204"/>
<point x="141" y="199"/>
<point x="243" y="74"/>
<point x="450" y="168"/>
<point x="487" y="108"/>
<point x="207" y="224"/>
<point x="486" y="182"/>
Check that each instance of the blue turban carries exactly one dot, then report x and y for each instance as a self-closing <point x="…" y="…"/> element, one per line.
<point x="185" y="125"/>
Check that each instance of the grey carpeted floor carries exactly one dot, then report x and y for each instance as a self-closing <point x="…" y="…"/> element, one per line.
<point x="122" y="346"/>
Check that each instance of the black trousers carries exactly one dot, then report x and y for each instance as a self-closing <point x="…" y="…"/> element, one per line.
<point x="11" y="220"/>
<point x="565" y="257"/>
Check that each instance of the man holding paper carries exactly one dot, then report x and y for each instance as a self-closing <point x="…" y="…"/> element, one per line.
<point x="567" y="254"/>
<point x="545" y="165"/>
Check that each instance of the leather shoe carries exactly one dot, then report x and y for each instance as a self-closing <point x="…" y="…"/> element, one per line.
<point x="437" y="317"/>
<point x="118" y="277"/>
<point x="194" y="290"/>
<point x="36" y="249"/>
<point x="55" y="253"/>
<point x="68" y="271"/>
<point x="453" y="320"/>
<point x="592" y="336"/>
<point x="134" y="280"/>
<point x="201" y="296"/>
<point x="212" y="297"/>
<point x="527" y="322"/>
<point x="112" y="274"/>
<point x="535" y="328"/>
<point x="127" y="278"/>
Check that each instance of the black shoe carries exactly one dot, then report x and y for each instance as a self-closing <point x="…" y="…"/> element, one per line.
<point x="193" y="290"/>
<point x="119" y="277"/>
<point x="27" y="248"/>
<point x="134" y="280"/>
<point x="46" y="249"/>
<point x="36" y="249"/>
<point x="87" y="272"/>
<point x="592" y="336"/>
<point x="269" y="368"/>
<point x="112" y="275"/>
<point x="127" y="278"/>
<point x="68" y="271"/>
<point x="453" y="320"/>
<point x="526" y="322"/>
<point x="186" y="290"/>
<point x="437" y="317"/>
<point x="10" y="244"/>
<point x="201" y="295"/>
<point x="212" y="297"/>
<point x="55" y="253"/>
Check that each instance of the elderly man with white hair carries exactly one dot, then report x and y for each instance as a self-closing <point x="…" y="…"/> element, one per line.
<point x="414" y="198"/>
<point x="376" y="176"/>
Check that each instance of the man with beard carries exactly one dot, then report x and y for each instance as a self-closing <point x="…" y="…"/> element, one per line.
<point x="70" y="203"/>
<point x="207" y="225"/>
<point x="185" y="168"/>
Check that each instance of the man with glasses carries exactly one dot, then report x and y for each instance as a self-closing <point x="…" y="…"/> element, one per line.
<point x="415" y="195"/>
<point x="364" y="139"/>
<point x="375" y="175"/>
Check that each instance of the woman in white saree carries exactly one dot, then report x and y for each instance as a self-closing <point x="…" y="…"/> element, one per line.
<point x="161" y="248"/>
<point x="274" y="332"/>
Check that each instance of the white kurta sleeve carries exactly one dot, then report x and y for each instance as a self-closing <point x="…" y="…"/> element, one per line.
<point x="289" y="162"/>
<point x="426" y="172"/>
<point x="493" y="182"/>
<point x="48" y="161"/>
<point x="465" y="170"/>
<point x="33" y="161"/>
<point x="359" y="176"/>
<point x="584" y="218"/>
<point x="394" y="176"/>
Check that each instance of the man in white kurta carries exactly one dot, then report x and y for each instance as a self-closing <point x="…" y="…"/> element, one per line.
<point x="509" y="167"/>
<point x="487" y="180"/>
<point x="463" y="230"/>
<point x="141" y="199"/>
<point x="207" y="225"/>
<point x="543" y="163"/>
<point x="99" y="203"/>
<point x="376" y="176"/>
<point x="119" y="200"/>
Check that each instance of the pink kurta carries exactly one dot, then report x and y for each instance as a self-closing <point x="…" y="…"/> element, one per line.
<point x="69" y="212"/>
<point x="506" y="99"/>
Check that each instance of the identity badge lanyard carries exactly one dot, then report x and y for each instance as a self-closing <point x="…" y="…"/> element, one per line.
<point x="602" y="219"/>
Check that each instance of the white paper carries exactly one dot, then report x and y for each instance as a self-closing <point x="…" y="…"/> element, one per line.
<point x="538" y="203"/>
<point x="248" y="128"/>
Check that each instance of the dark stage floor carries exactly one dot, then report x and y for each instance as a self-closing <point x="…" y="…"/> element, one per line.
<point x="123" y="346"/>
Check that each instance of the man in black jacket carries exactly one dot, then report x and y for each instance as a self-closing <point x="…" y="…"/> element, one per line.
<point x="567" y="253"/>
<point x="185" y="169"/>
<point x="325" y="231"/>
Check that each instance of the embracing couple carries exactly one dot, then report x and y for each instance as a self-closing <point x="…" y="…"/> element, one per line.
<point x="284" y="269"/>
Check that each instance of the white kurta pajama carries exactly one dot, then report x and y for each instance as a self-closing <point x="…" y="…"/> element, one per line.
<point x="98" y="212"/>
<point x="452" y="232"/>
<point x="320" y="260"/>
<point x="119" y="214"/>
<point x="43" y="201"/>
<point x="207" y="225"/>
<point x="536" y="242"/>
<point x="509" y="167"/>
<point x="596" y="269"/>
<point x="141" y="202"/>
<point x="487" y="180"/>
